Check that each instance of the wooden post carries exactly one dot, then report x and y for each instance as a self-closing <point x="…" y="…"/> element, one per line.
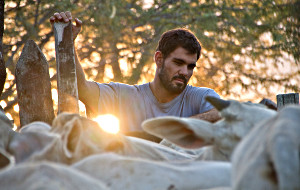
<point x="285" y="99"/>
<point x="66" y="70"/>
<point x="33" y="86"/>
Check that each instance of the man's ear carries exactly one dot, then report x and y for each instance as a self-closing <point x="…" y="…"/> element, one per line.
<point x="158" y="58"/>
<point x="185" y="132"/>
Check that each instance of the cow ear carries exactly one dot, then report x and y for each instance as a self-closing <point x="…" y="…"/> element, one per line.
<point x="185" y="132"/>
<point x="71" y="138"/>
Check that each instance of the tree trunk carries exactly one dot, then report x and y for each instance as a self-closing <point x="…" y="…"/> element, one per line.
<point x="2" y="63"/>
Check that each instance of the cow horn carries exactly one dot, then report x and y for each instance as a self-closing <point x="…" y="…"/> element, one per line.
<point x="219" y="104"/>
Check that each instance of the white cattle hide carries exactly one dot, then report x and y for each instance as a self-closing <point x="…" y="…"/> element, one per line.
<point x="73" y="137"/>
<point x="36" y="126"/>
<point x="268" y="158"/>
<point x="216" y="140"/>
<point x="47" y="176"/>
<point x="82" y="137"/>
<point x="30" y="139"/>
<point x="27" y="144"/>
<point x="6" y="134"/>
<point x="137" y="147"/>
<point x="120" y="172"/>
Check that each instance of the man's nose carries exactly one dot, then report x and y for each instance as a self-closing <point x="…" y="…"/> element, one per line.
<point x="183" y="70"/>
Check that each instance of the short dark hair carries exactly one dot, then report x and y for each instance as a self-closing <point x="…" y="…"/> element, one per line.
<point x="179" y="37"/>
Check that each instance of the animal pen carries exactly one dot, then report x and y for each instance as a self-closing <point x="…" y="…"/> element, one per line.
<point x="33" y="80"/>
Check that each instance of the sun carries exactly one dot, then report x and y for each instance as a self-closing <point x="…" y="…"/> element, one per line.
<point x="108" y="123"/>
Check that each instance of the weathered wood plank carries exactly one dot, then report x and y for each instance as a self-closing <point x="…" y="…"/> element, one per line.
<point x="285" y="99"/>
<point x="33" y="86"/>
<point x="66" y="70"/>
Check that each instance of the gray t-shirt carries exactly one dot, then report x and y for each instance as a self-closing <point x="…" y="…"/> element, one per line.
<point x="133" y="104"/>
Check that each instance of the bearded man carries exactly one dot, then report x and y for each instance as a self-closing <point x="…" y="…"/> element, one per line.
<point x="168" y="94"/>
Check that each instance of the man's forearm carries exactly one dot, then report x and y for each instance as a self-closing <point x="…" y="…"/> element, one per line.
<point x="211" y="115"/>
<point x="80" y="73"/>
<point x="87" y="90"/>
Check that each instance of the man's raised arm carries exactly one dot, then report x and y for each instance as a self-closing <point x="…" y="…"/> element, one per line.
<point x="88" y="91"/>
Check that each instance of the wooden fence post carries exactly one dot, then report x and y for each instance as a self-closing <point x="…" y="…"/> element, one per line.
<point x="285" y="99"/>
<point x="33" y="86"/>
<point x="66" y="68"/>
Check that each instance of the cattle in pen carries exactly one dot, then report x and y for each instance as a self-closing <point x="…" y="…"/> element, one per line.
<point x="213" y="141"/>
<point x="121" y="172"/>
<point x="73" y="137"/>
<point x="47" y="176"/>
<point x="268" y="158"/>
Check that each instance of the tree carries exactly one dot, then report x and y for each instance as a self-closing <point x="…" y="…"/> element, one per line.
<point x="2" y="64"/>
<point x="247" y="45"/>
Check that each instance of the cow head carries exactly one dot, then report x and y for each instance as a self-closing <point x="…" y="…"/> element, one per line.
<point x="31" y="139"/>
<point x="82" y="137"/>
<point x="238" y="120"/>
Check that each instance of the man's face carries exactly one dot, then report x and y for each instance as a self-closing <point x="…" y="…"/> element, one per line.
<point x="177" y="70"/>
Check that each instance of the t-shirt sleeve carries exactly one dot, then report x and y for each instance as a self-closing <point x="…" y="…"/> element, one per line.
<point x="205" y="105"/>
<point x="107" y="98"/>
<point x="197" y="99"/>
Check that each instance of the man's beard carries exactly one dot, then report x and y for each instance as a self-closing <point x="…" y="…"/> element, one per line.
<point x="168" y="85"/>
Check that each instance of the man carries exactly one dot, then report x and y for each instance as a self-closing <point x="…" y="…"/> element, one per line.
<point x="168" y="94"/>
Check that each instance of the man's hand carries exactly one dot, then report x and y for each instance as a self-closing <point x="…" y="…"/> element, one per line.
<point x="211" y="115"/>
<point x="66" y="17"/>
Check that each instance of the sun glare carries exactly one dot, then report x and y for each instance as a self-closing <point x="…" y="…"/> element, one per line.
<point x="108" y="123"/>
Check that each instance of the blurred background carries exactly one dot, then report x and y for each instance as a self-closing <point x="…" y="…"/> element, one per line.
<point x="251" y="49"/>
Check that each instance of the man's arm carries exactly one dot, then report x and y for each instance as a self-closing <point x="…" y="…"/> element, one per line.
<point x="88" y="91"/>
<point x="211" y="115"/>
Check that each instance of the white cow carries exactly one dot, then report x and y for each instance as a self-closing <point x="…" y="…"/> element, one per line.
<point x="6" y="134"/>
<point x="73" y="137"/>
<point x="120" y="172"/>
<point x="30" y="140"/>
<point x="36" y="126"/>
<point x="269" y="157"/>
<point x="47" y="176"/>
<point x="216" y="140"/>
